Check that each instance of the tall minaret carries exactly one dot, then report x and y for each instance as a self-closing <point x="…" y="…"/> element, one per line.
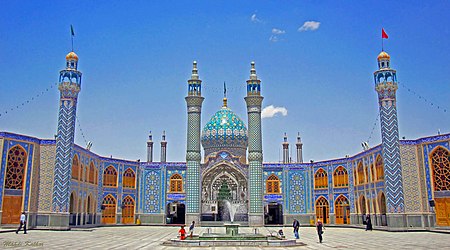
<point x="194" y="102"/>
<point x="299" y="145"/>
<point x="150" y="148"/>
<point x="69" y="87"/>
<point x="255" y="154"/>
<point x="285" y="149"/>
<point x="163" y="147"/>
<point x="386" y="86"/>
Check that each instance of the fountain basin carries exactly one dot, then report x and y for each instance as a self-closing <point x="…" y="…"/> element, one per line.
<point x="231" y="229"/>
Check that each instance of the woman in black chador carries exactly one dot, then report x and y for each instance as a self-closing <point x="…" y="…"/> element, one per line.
<point x="368" y="223"/>
<point x="319" y="228"/>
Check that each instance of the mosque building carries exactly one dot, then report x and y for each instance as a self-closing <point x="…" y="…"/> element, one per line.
<point x="401" y="184"/>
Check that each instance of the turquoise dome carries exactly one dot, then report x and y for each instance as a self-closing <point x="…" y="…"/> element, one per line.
<point x="224" y="131"/>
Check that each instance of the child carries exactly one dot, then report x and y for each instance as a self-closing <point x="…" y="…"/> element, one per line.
<point x="191" y="229"/>
<point x="182" y="233"/>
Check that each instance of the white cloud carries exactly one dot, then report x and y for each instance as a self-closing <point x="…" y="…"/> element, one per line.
<point x="278" y="31"/>
<point x="270" y="111"/>
<point x="273" y="39"/>
<point x="309" y="25"/>
<point x="255" y="19"/>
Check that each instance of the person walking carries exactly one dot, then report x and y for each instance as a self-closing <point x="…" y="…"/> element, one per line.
<point x="296" y="226"/>
<point x="191" y="229"/>
<point x="319" y="228"/>
<point x="23" y="222"/>
<point x="368" y="223"/>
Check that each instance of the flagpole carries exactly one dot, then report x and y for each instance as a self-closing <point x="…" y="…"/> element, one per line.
<point x="72" y="42"/>
<point x="382" y="47"/>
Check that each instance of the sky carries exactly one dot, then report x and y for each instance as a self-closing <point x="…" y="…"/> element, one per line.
<point x="315" y="60"/>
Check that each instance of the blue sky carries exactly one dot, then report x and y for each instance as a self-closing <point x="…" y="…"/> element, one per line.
<point x="136" y="59"/>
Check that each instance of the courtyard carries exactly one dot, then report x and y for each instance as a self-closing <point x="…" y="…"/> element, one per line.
<point x="152" y="237"/>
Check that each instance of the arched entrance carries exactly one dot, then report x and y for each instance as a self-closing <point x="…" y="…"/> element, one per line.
<point x="175" y="213"/>
<point x="342" y="210"/>
<point x="382" y="203"/>
<point x="72" y="212"/>
<point x="322" y="210"/>
<point x="14" y="185"/>
<point x="109" y="210"/>
<point x="128" y="210"/>
<point x="440" y="163"/>
<point x="224" y="188"/>
<point x="362" y="207"/>
<point x="274" y="214"/>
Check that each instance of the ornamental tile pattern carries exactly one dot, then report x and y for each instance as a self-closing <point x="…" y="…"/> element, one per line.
<point x="296" y="201"/>
<point x="152" y="183"/>
<point x="411" y="187"/>
<point x="47" y="159"/>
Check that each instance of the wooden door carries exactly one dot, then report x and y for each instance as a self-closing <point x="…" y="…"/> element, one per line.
<point x="109" y="214"/>
<point x="128" y="214"/>
<point x="12" y="208"/>
<point x="442" y="211"/>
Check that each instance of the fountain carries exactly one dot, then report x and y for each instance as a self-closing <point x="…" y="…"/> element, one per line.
<point x="231" y="228"/>
<point x="232" y="237"/>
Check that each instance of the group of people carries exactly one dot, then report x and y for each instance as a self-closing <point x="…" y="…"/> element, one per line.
<point x="182" y="231"/>
<point x="319" y="229"/>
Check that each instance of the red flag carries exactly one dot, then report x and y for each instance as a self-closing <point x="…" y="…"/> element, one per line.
<point x="383" y="34"/>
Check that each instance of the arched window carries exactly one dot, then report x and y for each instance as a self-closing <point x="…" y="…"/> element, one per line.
<point x="360" y="173"/>
<point x="340" y="177"/>
<point x="92" y="173"/>
<point x="321" y="179"/>
<point x="372" y="172"/>
<point x="128" y="210"/>
<point x="273" y="184"/>
<point x="379" y="168"/>
<point x="85" y="173"/>
<point x="109" y="210"/>
<point x="176" y="183"/>
<point x="110" y="177"/>
<point x="322" y="210"/>
<point x="129" y="179"/>
<point x="15" y="170"/>
<point x="366" y="171"/>
<point x="75" y="168"/>
<point x="441" y="169"/>
<point x="362" y="204"/>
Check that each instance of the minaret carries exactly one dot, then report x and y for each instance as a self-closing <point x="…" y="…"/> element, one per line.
<point x="194" y="102"/>
<point x="386" y="86"/>
<point x="163" y="147"/>
<point x="150" y="148"/>
<point x="255" y="154"/>
<point x="69" y="87"/>
<point x="285" y="149"/>
<point x="299" y="145"/>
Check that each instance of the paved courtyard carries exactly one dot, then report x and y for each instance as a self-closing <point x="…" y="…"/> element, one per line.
<point x="146" y="237"/>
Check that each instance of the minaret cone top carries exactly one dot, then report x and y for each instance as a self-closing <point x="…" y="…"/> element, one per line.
<point x="194" y="71"/>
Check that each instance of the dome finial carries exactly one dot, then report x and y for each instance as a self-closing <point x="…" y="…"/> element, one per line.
<point x="225" y="95"/>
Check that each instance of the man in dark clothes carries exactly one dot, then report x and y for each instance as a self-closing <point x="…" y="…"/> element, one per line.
<point x="296" y="226"/>
<point x="368" y="223"/>
<point x="319" y="228"/>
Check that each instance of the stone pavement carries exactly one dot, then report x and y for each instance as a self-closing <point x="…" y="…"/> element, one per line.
<point x="151" y="237"/>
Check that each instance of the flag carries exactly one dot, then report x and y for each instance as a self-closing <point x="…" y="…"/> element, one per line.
<point x="71" y="30"/>
<point x="383" y="34"/>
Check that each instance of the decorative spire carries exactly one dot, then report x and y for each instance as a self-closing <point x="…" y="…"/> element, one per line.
<point x="253" y="75"/>
<point x="225" y="100"/>
<point x="150" y="137"/>
<point x="299" y="139"/>
<point x="285" y="137"/>
<point x="164" y="135"/>
<point x="194" y="71"/>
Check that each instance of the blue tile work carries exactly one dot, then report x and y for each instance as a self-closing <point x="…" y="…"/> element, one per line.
<point x="152" y="196"/>
<point x="427" y="150"/>
<point x="169" y="172"/>
<point x="296" y="201"/>
<point x="29" y="149"/>
<point x="274" y="197"/>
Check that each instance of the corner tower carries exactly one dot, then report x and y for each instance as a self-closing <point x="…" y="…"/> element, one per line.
<point x="69" y="87"/>
<point x="194" y="102"/>
<point x="386" y="86"/>
<point x="255" y="154"/>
